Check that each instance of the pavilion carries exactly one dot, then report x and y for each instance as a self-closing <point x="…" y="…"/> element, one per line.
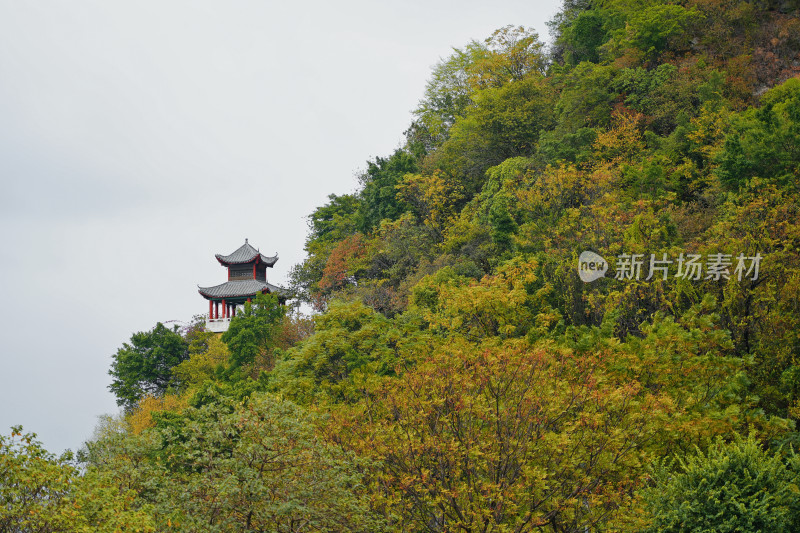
<point x="247" y="277"/>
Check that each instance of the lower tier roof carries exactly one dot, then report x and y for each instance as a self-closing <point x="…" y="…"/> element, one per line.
<point x="241" y="289"/>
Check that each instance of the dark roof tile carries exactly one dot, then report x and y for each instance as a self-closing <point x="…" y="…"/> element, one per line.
<point x="245" y="254"/>
<point x="233" y="289"/>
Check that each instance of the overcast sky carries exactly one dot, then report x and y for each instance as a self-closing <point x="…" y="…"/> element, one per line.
<point x="139" y="138"/>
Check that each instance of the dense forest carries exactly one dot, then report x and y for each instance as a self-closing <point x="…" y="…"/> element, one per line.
<point x="459" y="374"/>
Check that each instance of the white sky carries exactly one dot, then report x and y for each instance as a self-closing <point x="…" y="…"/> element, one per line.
<point x="139" y="138"/>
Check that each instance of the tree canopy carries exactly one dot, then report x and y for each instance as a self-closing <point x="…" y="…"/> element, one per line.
<point x="145" y="365"/>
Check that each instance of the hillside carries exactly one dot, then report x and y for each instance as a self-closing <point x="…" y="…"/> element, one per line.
<point x="470" y="366"/>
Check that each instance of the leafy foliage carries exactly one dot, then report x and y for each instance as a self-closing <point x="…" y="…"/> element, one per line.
<point x="460" y="374"/>
<point x="351" y="344"/>
<point x="379" y="199"/>
<point x="763" y="142"/>
<point x="252" y="333"/>
<point x="43" y="493"/>
<point x="204" y="362"/>
<point x="144" y="367"/>
<point x="504" y="438"/>
<point x="230" y="466"/>
<point x="505" y="122"/>
<point x="731" y="487"/>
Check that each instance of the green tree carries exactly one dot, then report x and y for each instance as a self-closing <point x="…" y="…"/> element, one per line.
<point x="559" y="26"/>
<point x="351" y="341"/>
<point x="42" y="493"/>
<point x="379" y="199"/>
<point x="582" y="38"/>
<point x="510" y="54"/>
<point x="514" y="53"/>
<point x="252" y="333"/>
<point x="202" y="364"/>
<point x="448" y="94"/>
<point x="503" y="224"/>
<point x="765" y="142"/>
<point x="144" y="367"/>
<point x="34" y="486"/>
<point x="733" y="487"/>
<point x="505" y="122"/>
<point x="650" y="29"/>
<point x="334" y="220"/>
<point x="231" y="465"/>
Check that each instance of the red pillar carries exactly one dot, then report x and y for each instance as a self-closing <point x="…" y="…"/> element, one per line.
<point x="233" y="310"/>
<point x="224" y="309"/>
<point x="210" y="309"/>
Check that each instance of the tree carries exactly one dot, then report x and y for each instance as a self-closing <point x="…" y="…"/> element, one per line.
<point x="34" y="486"/>
<point x="504" y="122"/>
<point x="650" y="29"/>
<point x="503" y="224"/>
<point x="144" y="367"/>
<point x="203" y="363"/>
<point x="509" y="55"/>
<point x="232" y="465"/>
<point x="252" y="333"/>
<point x="379" y="199"/>
<point x="733" y="487"/>
<point x="559" y="25"/>
<point x="334" y="220"/>
<point x="764" y="142"/>
<point x="503" y="437"/>
<point x="328" y="225"/>
<point x="514" y="53"/>
<point x="581" y="39"/>
<point x="448" y="94"/>
<point x="351" y="341"/>
<point x="42" y="493"/>
<point x="433" y="199"/>
<point x="344" y="261"/>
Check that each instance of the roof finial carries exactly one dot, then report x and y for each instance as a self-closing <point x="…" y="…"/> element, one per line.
<point x="245" y="240"/>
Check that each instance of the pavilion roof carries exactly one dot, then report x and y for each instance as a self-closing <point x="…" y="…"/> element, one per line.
<point x="246" y="254"/>
<point x="240" y="288"/>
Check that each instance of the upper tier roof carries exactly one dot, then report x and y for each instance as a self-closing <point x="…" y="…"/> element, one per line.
<point x="246" y="254"/>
